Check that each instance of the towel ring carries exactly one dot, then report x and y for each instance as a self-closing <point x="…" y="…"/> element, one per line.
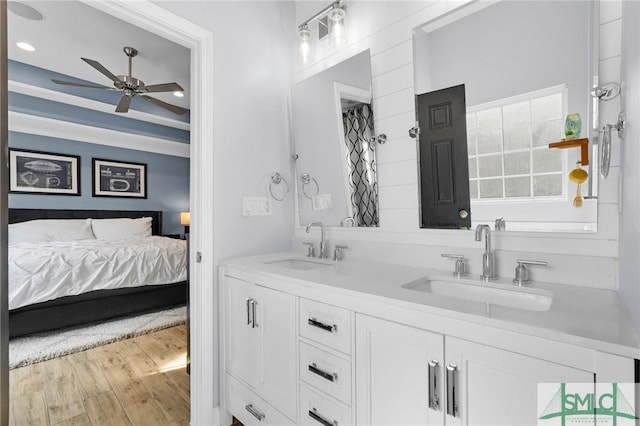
<point x="276" y="179"/>
<point x="306" y="180"/>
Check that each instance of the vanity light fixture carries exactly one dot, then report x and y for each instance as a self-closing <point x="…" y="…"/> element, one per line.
<point x="178" y="94"/>
<point x="331" y="22"/>
<point x="25" y="46"/>
<point x="304" y="34"/>
<point x="337" y="26"/>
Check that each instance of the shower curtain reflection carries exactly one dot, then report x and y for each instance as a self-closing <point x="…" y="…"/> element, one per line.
<point x="361" y="156"/>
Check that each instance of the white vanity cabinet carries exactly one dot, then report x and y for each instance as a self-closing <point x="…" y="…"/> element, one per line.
<point x="409" y="376"/>
<point x="311" y="352"/>
<point x="325" y="365"/>
<point x="399" y="374"/>
<point x="260" y="350"/>
<point x="498" y="387"/>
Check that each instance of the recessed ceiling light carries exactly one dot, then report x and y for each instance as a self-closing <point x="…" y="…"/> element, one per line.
<point x="25" y="46"/>
<point x="178" y="94"/>
<point x="25" y="11"/>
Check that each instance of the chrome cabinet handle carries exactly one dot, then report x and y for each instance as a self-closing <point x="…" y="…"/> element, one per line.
<point x="332" y="377"/>
<point x="249" y="310"/>
<point x="320" y="419"/>
<point x="254" y="323"/>
<point x="332" y="328"/>
<point x="434" y="401"/>
<point x="452" y="376"/>
<point x="255" y="413"/>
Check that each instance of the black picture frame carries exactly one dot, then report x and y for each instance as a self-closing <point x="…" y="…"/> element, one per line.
<point x="40" y="172"/>
<point x="113" y="178"/>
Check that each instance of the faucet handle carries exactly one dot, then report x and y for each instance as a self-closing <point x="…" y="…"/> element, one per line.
<point x="338" y="254"/>
<point x="522" y="273"/>
<point x="460" y="266"/>
<point x="311" y="252"/>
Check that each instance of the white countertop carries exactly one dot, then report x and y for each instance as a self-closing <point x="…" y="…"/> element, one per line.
<point x="587" y="317"/>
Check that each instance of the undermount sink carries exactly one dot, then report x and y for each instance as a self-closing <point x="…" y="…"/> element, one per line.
<point x="491" y="293"/>
<point x="299" y="264"/>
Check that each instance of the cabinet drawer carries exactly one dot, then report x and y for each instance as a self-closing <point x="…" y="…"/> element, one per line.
<point x="326" y="324"/>
<point x="326" y="372"/>
<point x="249" y="408"/>
<point x="318" y="410"/>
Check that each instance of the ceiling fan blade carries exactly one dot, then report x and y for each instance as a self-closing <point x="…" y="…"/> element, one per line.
<point x="90" y="85"/>
<point x="123" y="105"/>
<point x="166" y="87"/>
<point x="173" y="108"/>
<point x="97" y="65"/>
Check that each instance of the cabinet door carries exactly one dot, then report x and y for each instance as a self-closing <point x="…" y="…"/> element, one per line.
<point x="277" y="368"/>
<point x="241" y="344"/>
<point x="392" y="374"/>
<point x="496" y="387"/>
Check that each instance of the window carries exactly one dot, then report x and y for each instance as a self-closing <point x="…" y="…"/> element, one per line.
<point x="508" y="149"/>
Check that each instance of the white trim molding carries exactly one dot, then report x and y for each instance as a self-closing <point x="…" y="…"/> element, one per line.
<point x="204" y="312"/>
<point x="43" y="126"/>
<point x="53" y="95"/>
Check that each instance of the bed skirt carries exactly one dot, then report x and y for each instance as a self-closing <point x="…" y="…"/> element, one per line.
<point x="94" y="306"/>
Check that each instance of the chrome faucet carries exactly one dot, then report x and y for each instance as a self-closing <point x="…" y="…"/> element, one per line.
<point x="323" y="250"/>
<point x="488" y="267"/>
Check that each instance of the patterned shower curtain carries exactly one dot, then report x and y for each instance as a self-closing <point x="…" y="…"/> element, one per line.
<point x="358" y="136"/>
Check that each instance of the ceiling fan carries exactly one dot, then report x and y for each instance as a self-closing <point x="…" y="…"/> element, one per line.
<point x="130" y="86"/>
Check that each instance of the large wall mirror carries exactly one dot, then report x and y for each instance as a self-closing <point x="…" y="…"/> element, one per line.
<point x="336" y="145"/>
<point x="523" y="67"/>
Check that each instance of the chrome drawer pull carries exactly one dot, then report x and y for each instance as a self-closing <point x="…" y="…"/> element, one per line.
<point x="249" y="310"/>
<point x="326" y="327"/>
<point x="255" y="413"/>
<point x="434" y="402"/>
<point x="452" y="376"/>
<point x="317" y="417"/>
<point x="254" y="323"/>
<point x="332" y="377"/>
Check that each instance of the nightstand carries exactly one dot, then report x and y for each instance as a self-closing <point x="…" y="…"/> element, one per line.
<point x="175" y="236"/>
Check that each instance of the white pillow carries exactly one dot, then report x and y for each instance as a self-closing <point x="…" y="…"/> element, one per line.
<point x="40" y="230"/>
<point x="121" y="228"/>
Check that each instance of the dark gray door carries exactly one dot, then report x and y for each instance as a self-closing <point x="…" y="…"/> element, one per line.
<point x="444" y="168"/>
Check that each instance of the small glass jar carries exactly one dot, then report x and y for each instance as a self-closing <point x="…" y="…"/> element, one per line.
<point x="572" y="126"/>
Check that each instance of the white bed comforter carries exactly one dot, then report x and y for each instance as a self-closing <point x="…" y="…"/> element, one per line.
<point x="44" y="271"/>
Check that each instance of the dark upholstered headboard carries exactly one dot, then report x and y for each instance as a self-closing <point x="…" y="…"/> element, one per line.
<point x="23" y="215"/>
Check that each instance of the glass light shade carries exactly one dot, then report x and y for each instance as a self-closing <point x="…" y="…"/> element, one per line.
<point x="304" y="35"/>
<point x="337" y="27"/>
<point x="185" y="218"/>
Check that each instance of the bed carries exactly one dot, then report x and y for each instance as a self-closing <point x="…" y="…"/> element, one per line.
<point x="107" y="277"/>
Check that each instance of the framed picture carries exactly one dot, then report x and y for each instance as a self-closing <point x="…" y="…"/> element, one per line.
<point x="36" y="172"/>
<point x="118" y="179"/>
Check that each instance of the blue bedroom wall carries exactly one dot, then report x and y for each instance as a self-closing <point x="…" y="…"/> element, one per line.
<point x="167" y="187"/>
<point x="167" y="175"/>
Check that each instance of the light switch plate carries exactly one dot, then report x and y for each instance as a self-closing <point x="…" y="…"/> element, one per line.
<point x="322" y="202"/>
<point x="256" y="206"/>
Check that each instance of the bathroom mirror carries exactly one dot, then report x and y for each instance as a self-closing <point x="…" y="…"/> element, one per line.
<point x="524" y="65"/>
<point x="335" y="145"/>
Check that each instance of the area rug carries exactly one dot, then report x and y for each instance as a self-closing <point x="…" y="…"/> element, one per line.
<point x="43" y="346"/>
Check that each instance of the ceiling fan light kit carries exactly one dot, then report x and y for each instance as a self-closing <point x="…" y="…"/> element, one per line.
<point x="129" y="85"/>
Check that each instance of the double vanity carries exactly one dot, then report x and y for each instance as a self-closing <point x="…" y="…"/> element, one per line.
<point x="320" y="342"/>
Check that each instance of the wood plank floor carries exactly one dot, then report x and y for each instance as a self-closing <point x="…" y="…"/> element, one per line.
<point x="139" y="381"/>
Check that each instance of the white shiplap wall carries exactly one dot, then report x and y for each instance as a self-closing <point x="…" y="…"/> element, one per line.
<point x="386" y="29"/>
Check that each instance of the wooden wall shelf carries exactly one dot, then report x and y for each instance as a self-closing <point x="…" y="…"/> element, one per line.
<point x="574" y="143"/>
